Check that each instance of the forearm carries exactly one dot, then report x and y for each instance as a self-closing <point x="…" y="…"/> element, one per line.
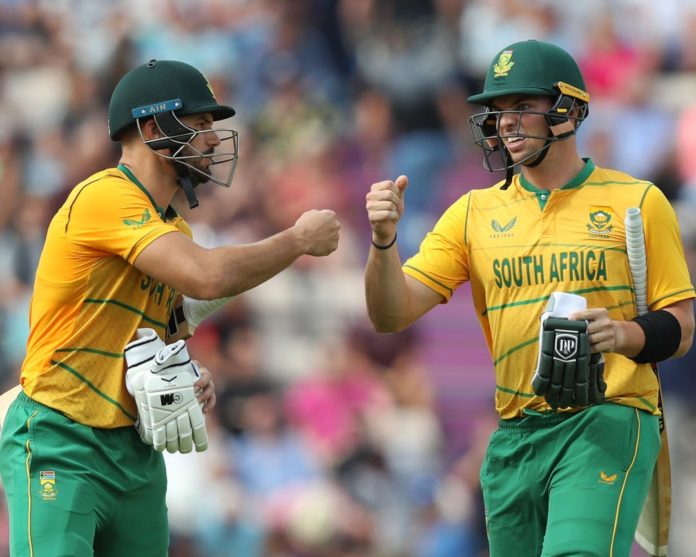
<point x="207" y="274"/>
<point x="386" y="291"/>
<point x="629" y="338"/>
<point x="236" y="269"/>
<point x="676" y="333"/>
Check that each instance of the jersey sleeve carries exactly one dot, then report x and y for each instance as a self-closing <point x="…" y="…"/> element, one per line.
<point x="668" y="274"/>
<point x="114" y="217"/>
<point x="442" y="262"/>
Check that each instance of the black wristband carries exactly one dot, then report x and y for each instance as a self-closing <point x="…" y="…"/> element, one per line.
<point x="390" y="244"/>
<point x="662" y="336"/>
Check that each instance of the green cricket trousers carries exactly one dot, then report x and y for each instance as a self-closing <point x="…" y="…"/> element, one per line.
<point x="571" y="485"/>
<point x="77" y="491"/>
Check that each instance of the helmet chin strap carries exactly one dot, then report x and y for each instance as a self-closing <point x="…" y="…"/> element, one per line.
<point x="509" y="165"/>
<point x="171" y="126"/>
<point x="186" y="182"/>
<point x="536" y="162"/>
<point x="542" y="153"/>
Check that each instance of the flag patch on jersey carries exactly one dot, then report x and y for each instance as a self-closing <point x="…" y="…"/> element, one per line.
<point x="47" y="480"/>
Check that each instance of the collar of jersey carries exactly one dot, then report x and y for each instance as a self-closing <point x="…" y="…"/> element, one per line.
<point x="574" y="183"/>
<point x="164" y="214"/>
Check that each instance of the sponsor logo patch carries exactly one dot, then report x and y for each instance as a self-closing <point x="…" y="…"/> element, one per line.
<point x="605" y="478"/>
<point x="503" y="230"/>
<point x="138" y="223"/>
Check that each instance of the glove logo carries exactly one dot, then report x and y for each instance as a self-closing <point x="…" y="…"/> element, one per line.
<point x="565" y="345"/>
<point x="170" y="398"/>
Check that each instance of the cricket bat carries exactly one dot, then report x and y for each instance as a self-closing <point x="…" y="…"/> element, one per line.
<point x="177" y="326"/>
<point x="188" y="314"/>
<point x="652" y="533"/>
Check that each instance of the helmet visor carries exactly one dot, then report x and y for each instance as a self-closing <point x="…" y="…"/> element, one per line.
<point x="216" y="164"/>
<point x="485" y="128"/>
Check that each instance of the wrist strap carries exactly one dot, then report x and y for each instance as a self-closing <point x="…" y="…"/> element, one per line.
<point x="662" y="336"/>
<point x="390" y="244"/>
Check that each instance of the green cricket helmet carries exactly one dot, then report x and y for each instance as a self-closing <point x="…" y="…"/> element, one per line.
<point x="531" y="68"/>
<point x="166" y="90"/>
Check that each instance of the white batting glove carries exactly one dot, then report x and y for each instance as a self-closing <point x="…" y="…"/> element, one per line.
<point x="177" y="418"/>
<point x="140" y="356"/>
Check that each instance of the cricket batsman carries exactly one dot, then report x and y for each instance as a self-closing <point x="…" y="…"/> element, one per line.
<point x="101" y="393"/>
<point x="545" y="251"/>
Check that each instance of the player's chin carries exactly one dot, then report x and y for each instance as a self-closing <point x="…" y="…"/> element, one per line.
<point x="200" y="176"/>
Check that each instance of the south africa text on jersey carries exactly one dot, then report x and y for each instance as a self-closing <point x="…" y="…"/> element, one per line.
<point x="159" y="292"/>
<point x="565" y="266"/>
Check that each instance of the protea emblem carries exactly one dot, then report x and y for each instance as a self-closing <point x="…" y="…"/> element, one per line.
<point x="600" y="222"/>
<point x="504" y="64"/>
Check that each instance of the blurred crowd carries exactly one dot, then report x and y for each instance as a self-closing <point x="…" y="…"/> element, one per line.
<point x="330" y="440"/>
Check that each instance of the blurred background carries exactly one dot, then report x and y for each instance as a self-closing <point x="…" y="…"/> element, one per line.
<point x="330" y="440"/>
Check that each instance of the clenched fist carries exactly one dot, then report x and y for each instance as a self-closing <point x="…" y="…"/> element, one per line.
<point x="385" y="205"/>
<point x="317" y="230"/>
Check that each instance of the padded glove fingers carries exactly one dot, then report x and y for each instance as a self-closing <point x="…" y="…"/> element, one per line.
<point x="596" y="385"/>
<point x="582" y="385"/>
<point x="567" y="395"/>
<point x="200" y="435"/>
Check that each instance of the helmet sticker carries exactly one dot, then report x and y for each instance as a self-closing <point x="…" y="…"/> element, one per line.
<point x="504" y="64"/>
<point x="156" y="108"/>
<point x="572" y="91"/>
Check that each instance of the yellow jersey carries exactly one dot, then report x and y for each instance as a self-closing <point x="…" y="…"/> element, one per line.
<point x="519" y="245"/>
<point x="89" y="299"/>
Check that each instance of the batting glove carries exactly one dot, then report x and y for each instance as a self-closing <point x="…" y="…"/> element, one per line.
<point x="567" y="374"/>
<point x="562" y="373"/>
<point x="177" y="417"/>
<point x="140" y="355"/>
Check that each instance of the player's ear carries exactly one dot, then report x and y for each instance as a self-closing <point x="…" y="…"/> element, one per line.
<point x="150" y="129"/>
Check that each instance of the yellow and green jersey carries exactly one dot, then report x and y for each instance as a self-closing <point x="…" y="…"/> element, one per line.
<point x="89" y="299"/>
<point x="519" y="245"/>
